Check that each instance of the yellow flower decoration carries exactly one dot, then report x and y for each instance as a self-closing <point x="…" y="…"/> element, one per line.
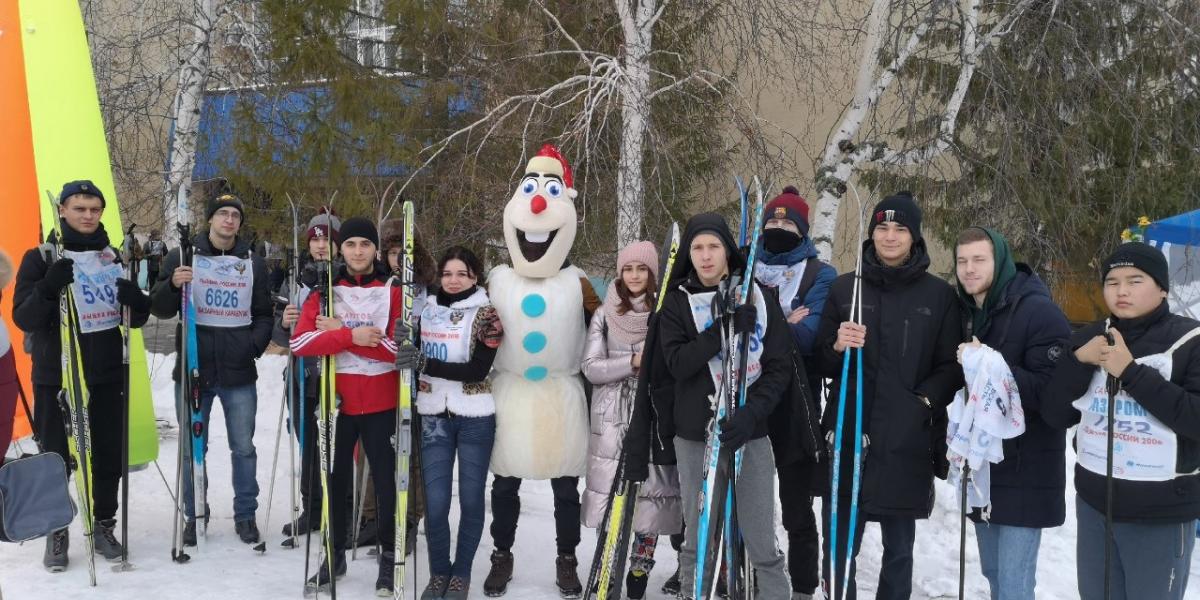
<point x="1126" y="235"/>
<point x="1143" y="221"/>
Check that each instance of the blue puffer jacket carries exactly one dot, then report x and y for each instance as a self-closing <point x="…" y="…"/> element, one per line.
<point x="1026" y="327"/>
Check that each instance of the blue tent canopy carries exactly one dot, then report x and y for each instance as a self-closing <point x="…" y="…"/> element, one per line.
<point x="1179" y="229"/>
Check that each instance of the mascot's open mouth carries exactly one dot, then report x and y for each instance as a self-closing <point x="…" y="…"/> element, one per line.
<point x="534" y="244"/>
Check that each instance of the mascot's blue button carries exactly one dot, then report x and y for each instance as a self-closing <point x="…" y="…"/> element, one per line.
<point x="535" y="373"/>
<point x="534" y="342"/>
<point x="533" y="305"/>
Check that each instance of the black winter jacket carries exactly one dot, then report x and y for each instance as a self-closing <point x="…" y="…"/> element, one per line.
<point x="226" y="354"/>
<point x="1029" y="330"/>
<point x="1175" y="402"/>
<point x="913" y="331"/>
<point x="36" y="313"/>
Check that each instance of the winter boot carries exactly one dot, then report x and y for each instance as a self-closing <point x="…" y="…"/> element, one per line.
<point x="435" y="589"/>
<point x="303" y="524"/>
<point x="496" y="583"/>
<point x="247" y="530"/>
<point x="671" y="585"/>
<point x="189" y="534"/>
<point x="322" y="580"/>
<point x="635" y="584"/>
<point x="385" y="581"/>
<point x="105" y="542"/>
<point x="457" y="589"/>
<point x="567" y="577"/>
<point x="55" y="559"/>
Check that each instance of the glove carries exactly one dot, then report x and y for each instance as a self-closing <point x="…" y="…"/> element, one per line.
<point x="744" y="317"/>
<point x="129" y="294"/>
<point x="58" y="276"/>
<point x="490" y="329"/>
<point x="401" y="331"/>
<point x="737" y="430"/>
<point x="409" y="356"/>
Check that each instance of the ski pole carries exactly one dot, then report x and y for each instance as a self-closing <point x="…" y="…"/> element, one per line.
<point x="126" y="326"/>
<point x="1112" y="385"/>
<point x="962" y="532"/>
<point x="261" y="547"/>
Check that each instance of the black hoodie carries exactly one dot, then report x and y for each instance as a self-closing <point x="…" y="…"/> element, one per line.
<point x="226" y="354"/>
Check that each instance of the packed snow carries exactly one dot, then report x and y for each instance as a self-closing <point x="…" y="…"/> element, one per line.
<point x="223" y="567"/>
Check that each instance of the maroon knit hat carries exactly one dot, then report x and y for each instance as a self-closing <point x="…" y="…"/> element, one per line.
<point x="789" y="205"/>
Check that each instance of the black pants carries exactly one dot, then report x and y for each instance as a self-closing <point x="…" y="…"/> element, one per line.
<point x="506" y="507"/>
<point x="899" y="535"/>
<point x="804" y="543"/>
<point x="305" y="409"/>
<point x="105" y="409"/>
<point x="374" y="433"/>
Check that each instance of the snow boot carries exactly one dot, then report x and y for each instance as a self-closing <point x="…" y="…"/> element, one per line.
<point x="385" y="580"/>
<point x="671" y="585"/>
<point x="457" y="589"/>
<point x="496" y="583"/>
<point x="635" y="584"/>
<point x="55" y="559"/>
<point x="322" y="580"/>
<point x="303" y="524"/>
<point x="435" y="589"/>
<point x="106" y="543"/>
<point x="566" y="576"/>
<point x="247" y="530"/>
<point x="189" y="534"/>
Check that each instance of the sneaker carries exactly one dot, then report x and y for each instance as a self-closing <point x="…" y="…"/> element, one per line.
<point x="189" y="534"/>
<point x="457" y="589"/>
<point x="303" y="524"/>
<point x="55" y="559"/>
<point x="671" y="585"/>
<point x="322" y="580"/>
<point x="247" y="530"/>
<point x="635" y="584"/>
<point x="105" y="541"/>
<point x="566" y="576"/>
<point x="496" y="583"/>
<point x="386" y="578"/>
<point x="436" y="587"/>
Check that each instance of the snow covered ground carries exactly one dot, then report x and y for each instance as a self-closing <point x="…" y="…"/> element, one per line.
<point x="224" y="568"/>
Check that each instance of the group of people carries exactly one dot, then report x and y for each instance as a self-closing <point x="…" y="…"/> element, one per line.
<point x="527" y="373"/>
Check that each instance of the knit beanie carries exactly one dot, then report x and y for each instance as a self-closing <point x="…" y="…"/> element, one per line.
<point x="899" y="208"/>
<point x="791" y="206"/>
<point x="222" y="201"/>
<point x="1141" y="256"/>
<point x="82" y="186"/>
<point x="327" y="221"/>
<point x="641" y="252"/>
<point x="358" y="227"/>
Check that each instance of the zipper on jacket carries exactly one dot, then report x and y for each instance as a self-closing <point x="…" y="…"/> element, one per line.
<point x="657" y="436"/>
<point x="904" y="344"/>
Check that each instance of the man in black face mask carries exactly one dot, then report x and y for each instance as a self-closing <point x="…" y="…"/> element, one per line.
<point x="788" y="262"/>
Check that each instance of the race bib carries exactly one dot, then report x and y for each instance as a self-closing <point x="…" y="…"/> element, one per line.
<point x="221" y="288"/>
<point x="357" y="307"/>
<point x="786" y="278"/>
<point x="701" y="305"/>
<point x="95" y="289"/>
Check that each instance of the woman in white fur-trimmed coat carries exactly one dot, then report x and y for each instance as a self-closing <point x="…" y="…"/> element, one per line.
<point x="611" y="362"/>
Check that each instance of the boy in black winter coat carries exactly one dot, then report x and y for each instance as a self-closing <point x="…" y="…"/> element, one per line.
<point x="1007" y="308"/>
<point x="1153" y="368"/>
<point x="87" y="257"/>
<point x="908" y="336"/>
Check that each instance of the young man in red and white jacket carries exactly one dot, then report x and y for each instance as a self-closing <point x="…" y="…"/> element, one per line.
<point x="359" y="336"/>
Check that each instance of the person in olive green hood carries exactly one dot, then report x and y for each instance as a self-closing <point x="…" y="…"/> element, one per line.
<point x="1008" y="308"/>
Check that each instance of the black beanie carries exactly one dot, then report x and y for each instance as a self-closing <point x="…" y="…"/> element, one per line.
<point x="223" y="201"/>
<point x="358" y="227"/>
<point x="82" y="186"/>
<point x="1143" y="257"/>
<point x="900" y="208"/>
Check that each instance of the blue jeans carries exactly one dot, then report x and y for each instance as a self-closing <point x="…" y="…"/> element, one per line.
<point x="441" y="438"/>
<point x="1008" y="557"/>
<point x="239" y="404"/>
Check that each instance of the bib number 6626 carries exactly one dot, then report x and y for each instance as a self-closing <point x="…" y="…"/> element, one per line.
<point x="220" y="298"/>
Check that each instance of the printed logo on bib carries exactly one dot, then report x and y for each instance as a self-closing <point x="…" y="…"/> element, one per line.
<point x="359" y="307"/>
<point x="701" y="305"/>
<point x="221" y="288"/>
<point x="95" y="289"/>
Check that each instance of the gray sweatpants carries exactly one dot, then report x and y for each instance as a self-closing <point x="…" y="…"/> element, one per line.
<point x="756" y="515"/>
<point x="1149" y="562"/>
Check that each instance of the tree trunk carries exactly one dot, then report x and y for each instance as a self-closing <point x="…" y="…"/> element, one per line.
<point x="638" y="28"/>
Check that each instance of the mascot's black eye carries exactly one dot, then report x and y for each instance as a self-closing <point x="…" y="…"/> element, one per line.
<point x="529" y="186"/>
<point x="554" y="188"/>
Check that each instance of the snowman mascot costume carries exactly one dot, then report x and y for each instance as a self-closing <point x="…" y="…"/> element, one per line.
<point x="541" y="408"/>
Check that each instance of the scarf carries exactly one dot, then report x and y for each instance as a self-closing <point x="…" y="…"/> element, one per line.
<point x="628" y="328"/>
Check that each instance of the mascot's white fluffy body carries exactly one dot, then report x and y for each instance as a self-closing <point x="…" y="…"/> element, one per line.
<point x="541" y="410"/>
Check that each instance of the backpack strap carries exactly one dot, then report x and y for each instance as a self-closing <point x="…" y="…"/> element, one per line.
<point x="812" y="268"/>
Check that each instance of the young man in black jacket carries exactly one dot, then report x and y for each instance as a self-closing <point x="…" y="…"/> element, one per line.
<point x="691" y="345"/>
<point x="234" y="319"/>
<point x="909" y="332"/>
<point x="87" y="257"/>
<point x="1153" y="367"/>
<point x="1007" y="308"/>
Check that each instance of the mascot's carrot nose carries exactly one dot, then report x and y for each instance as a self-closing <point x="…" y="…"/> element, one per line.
<point x="537" y="204"/>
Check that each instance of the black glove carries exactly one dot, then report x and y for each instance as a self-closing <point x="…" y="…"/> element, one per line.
<point x="409" y="356"/>
<point x="738" y="430"/>
<point x="58" y="276"/>
<point x="401" y="331"/>
<point x="744" y="317"/>
<point x="129" y="294"/>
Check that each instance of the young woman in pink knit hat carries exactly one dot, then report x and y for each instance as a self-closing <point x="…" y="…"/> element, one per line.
<point x="611" y="362"/>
